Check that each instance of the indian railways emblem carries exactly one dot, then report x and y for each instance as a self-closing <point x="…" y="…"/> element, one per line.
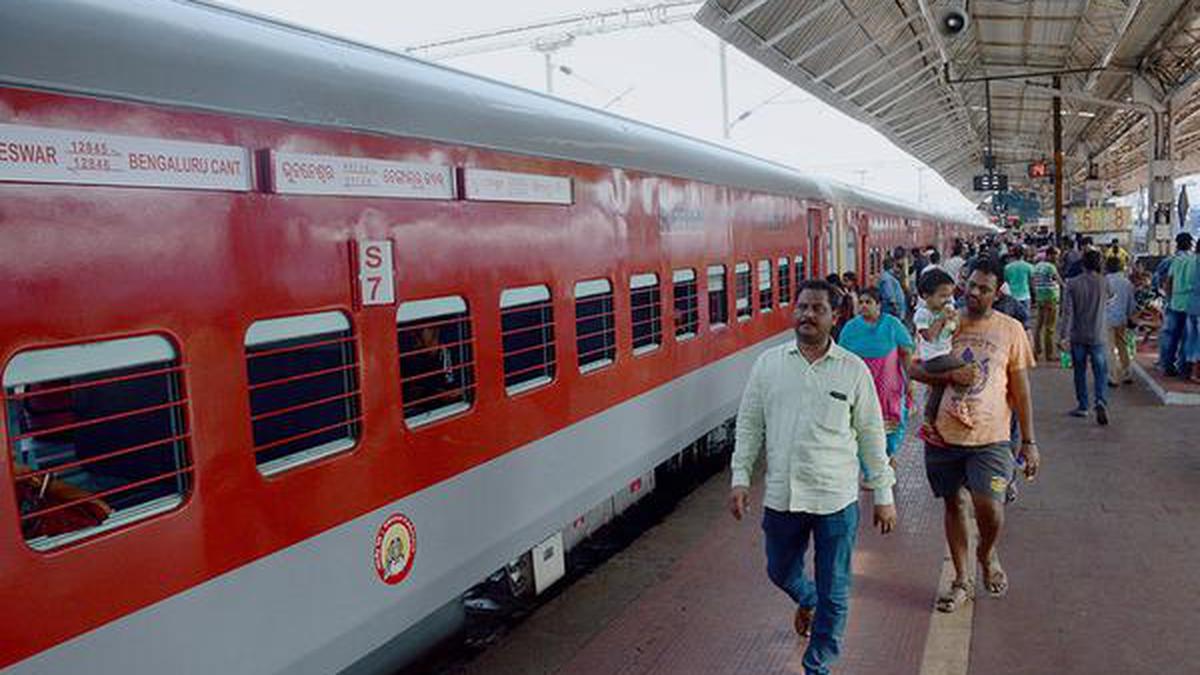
<point x="395" y="548"/>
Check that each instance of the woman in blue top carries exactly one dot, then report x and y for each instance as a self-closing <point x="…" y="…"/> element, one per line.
<point x="886" y="346"/>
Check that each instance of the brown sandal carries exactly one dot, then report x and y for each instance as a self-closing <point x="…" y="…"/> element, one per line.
<point x="960" y="593"/>
<point x="995" y="580"/>
<point x="803" y="621"/>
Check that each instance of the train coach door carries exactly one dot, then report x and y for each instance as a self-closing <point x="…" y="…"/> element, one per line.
<point x="815" y="249"/>
<point x="864" y="228"/>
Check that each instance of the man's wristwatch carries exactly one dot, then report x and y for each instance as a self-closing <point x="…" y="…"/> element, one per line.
<point x="1033" y="443"/>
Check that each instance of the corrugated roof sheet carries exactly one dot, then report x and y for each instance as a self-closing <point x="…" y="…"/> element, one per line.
<point x="881" y="62"/>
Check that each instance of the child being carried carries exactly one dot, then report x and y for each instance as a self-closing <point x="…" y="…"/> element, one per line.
<point x="936" y="321"/>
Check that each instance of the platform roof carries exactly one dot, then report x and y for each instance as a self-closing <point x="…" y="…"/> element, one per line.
<point x="885" y="63"/>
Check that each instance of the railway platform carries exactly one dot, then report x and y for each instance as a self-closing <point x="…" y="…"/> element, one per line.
<point x="1101" y="550"/>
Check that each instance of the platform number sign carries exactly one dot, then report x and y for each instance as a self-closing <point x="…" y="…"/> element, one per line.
<point x="376" y="278"/>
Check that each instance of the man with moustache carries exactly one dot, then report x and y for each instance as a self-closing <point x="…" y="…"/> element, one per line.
<point x="813" y="406"/>
<point x="993" y="386"/>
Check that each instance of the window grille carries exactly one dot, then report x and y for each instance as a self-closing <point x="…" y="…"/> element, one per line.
<point x="595" y="334"/>
<point x="718" y="299"/>
<point x="98" y="436"/>
<point x="437" y="359"/>
<point x="742" y="305"/>
<point x="527" y="337"/>
<point x="765" y="301"/>
<point x="304" y="394"/>
<point x="799" y="269"/>
<point x="785" y="282"/>
<point x="687" y="313"/>
<point x="645" y="301"/>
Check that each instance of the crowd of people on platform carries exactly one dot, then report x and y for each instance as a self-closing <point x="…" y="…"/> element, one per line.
<point x="830" y="410"/>
<point x="1082" y="304"/>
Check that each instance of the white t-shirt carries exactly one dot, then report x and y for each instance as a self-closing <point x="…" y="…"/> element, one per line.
<point x="954" y="267"/>
<point x="943" y="343"/>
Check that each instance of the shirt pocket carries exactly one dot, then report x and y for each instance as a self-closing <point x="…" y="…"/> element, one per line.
<point x="834" y="416"/>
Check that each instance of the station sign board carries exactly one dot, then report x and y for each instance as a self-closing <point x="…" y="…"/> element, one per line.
<point x="510" y="186"/>
<point x="996" y="182"/>
<point x="31" y="154"/>
<point x="1101" y="219"/>
<point x="296" y="173"/>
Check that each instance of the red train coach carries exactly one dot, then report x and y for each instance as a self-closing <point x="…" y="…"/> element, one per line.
<point x="303" y="339"/>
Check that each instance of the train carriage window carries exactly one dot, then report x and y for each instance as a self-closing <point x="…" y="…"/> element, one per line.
<point x="595" y="334"/>
<point x="645" y="300"/>
<point x="718" y="299"/>
<point x="686" y="303"/>
<point x="799" y="269"/>
<point x="303" y="374"/>
<point x="98" y="436"/>
<point x="527" y="337"/>
<point x="765" y="299"/>
<point x="785" y="282"/>
<point x="437" y="359"/>
<point x="742" y="305"/>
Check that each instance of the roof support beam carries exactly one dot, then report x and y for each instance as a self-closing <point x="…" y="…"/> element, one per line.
<point x="934" y="147"/>
<point x="879" y="62"/>
<point x="919" y="109"/>
<point x="937" y="143"/>
<point x="836" y="35"/>
<point x="904" y="132"/>
<point x="746" y="10"/>
<point x="889" y="72"/>
<point x="1130" y="11"/>
<point x="924" y="85"/>
<point x="900" y="85"/>
<point x="798" y="23"/>
<point x="871" y="43"/>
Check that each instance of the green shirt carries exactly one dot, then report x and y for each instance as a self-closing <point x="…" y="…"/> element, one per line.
<point x="1182" y="270"/>
<point x="1045" y="287"/>
<point x="1017" y="274"/>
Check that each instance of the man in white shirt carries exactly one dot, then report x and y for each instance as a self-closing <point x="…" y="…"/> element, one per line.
<point x="813" y="406"/>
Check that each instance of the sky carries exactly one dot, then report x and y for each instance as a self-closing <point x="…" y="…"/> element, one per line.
<point x="664" y="75"/>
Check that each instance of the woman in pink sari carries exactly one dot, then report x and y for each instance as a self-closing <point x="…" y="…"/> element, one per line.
<point x="886" y="346"/>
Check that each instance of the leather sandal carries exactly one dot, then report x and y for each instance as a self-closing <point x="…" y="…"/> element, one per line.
<point x="960" y="593"/>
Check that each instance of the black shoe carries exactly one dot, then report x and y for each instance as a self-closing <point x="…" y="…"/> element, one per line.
<point x="1102" y="415"/>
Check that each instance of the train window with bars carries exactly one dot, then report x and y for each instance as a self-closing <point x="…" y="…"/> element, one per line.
<point x="785" y="282"/>
<point x="304" y="393"/>
<point x="98" y="436"/>
<point x="765" y="299"/>
<point x="645" y="301"/>
<point x="437" y="359"/>
<point x="742" y="305"/>
<point x="718" y="299"/>
<point x="799" y="269"/>
<point x="527" y="337"/>
<point x="595" y="333"/>
<point x="687" y="312"/>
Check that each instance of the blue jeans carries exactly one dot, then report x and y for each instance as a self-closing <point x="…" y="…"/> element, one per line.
<point x="1080" y="353"/>
<point x="1170" y="341"/>
<point x="833" y="538"/>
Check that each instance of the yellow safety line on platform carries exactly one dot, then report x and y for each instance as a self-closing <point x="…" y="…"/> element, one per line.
<point x="948" y="645"/>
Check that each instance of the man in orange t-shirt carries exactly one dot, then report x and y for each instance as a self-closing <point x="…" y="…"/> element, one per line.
<point x="992" y="386"/>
